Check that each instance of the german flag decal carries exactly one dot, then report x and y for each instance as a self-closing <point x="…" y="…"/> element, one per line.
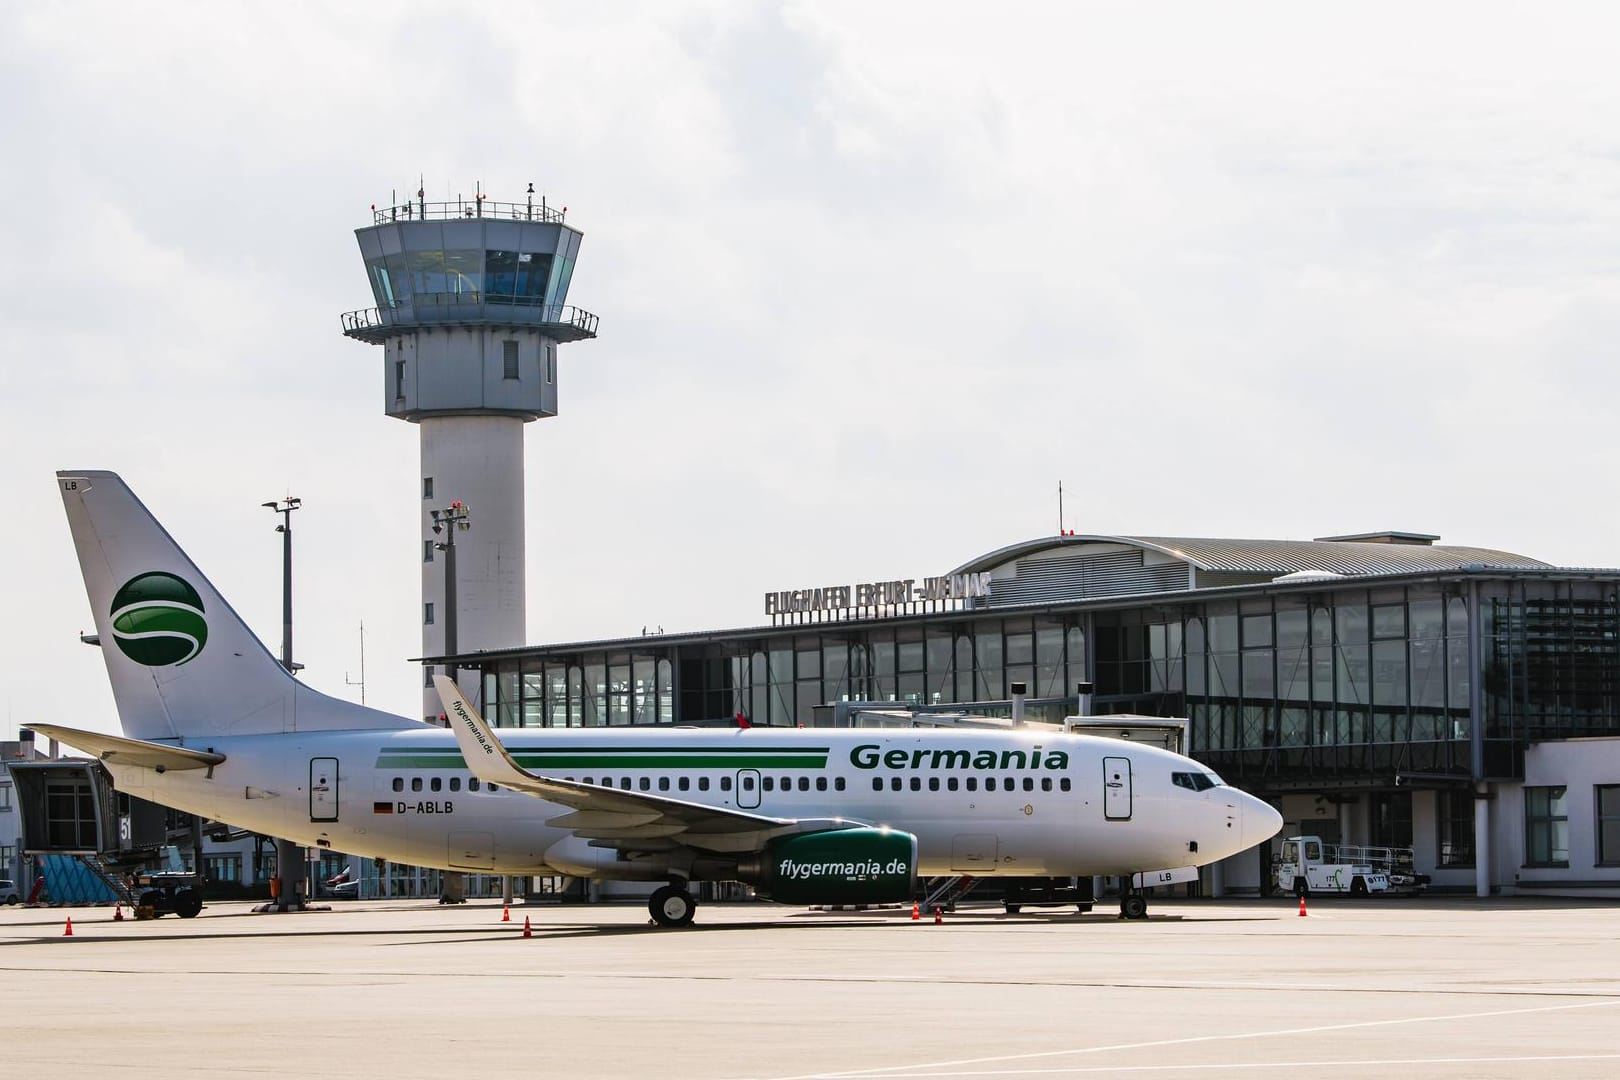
<point x="382" y="808"/>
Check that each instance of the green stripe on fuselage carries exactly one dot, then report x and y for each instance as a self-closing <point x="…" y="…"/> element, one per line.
<point x="549" y="761"/>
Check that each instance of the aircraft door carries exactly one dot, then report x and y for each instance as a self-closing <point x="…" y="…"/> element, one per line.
<point x="748" y="789"/>
<point x="973" y="853"/>
<point x="323" y="789"/>
<point x="1117" y="788"/>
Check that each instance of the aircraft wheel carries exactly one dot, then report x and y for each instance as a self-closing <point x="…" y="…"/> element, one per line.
<point x="187" y="903"/>
<point x="1133" y="906"/>
<point x="672" y="905"/>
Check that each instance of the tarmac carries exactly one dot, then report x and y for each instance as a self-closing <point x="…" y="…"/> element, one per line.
<point x="1431" y="987"/>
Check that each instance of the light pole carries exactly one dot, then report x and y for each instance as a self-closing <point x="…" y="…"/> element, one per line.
<point x="285" y="508"/>
<point x="445" y="523"/>
<point x="289" y="860"/>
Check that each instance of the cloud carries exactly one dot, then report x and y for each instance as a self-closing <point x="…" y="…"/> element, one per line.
<point x="872" y="280"/>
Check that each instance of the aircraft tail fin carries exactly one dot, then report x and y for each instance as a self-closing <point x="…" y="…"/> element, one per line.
<point x="183" y="664"/>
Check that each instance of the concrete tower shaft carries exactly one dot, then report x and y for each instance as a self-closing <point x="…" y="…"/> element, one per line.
<point x="471" y="304"/>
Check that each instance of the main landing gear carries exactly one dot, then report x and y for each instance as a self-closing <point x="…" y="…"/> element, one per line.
<point x="672" y="905"/>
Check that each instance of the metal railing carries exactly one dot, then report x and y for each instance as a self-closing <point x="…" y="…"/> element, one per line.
<point x="462" y="209"/>
<point x="435" y="308"/>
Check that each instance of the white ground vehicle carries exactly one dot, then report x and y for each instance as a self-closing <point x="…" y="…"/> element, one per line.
<point x="8" y="891"/>
<point x="1307" y="865"/>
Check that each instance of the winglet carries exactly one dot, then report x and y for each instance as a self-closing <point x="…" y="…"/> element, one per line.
<point x="485" y="755"/>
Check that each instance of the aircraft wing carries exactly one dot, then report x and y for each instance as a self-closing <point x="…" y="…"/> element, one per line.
<point x="613" y="817"/>
<point x="122" y="751"/>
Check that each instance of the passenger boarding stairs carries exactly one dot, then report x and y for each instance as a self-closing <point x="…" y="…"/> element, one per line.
<point x="944" y="892"/>
<point x="110" y="876"/>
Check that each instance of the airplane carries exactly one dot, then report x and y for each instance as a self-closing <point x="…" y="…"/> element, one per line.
<point x="214" y="725"/>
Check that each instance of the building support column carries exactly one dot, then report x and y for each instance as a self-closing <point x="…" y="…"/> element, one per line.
<point x="1217" y="880"/>
<point x="1476" y="745"/>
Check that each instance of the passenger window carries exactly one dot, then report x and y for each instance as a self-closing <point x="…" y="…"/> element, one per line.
<point x="399" y="783"/>
<point x="894" y="783"/>
<point x="1029" y="783"/>
<point x="646" y="783"/>
<point x="588" y="780"/>
<point x="624" y="783"/>
<point x="838" y="783"/>
<point x="435" y="784"/>
<point x="663" y="783"/>
<point x="821" y="783"/>
<point x="989" y="783"/>
<point x="748" y="783"/>
<point x="703" y="783"/>
<point x="493" y="788"/>
<point x="916" y="783"/>
<point x="877" y="783"/>
<point x="1063" y="783"/>
<point x="686" y="783"/>
<point x="472" y="784"/>
<point x="1046" y="783"/>
<point x="455" y="783"/>
<point x="768" y="783"/>
<point x="416" y="783"/>
<point x="973" y="783"/>
<point x="804" y="784"/>
<point x="950" y="783"/>
<point x="725" y="783"/>
<point x="1011" y="784"/>
<point x="933" y="783"/>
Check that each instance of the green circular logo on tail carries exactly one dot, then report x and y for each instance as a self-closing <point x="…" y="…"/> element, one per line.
<point x="157" y="620"/>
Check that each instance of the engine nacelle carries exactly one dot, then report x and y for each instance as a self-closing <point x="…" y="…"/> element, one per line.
<point x="840" y="866"/>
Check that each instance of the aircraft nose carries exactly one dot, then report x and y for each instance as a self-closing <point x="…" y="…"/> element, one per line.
<point x="1259" y="822"/>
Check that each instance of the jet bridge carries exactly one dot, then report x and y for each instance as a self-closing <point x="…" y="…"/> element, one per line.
<point x="88" y="836"/>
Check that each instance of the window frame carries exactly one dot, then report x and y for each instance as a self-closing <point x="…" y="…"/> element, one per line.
<point x="1546" y="820"/>
<point x="1601" y="857"/>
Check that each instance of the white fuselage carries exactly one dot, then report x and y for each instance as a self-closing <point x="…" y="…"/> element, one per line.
<point x="1015" y="802"/>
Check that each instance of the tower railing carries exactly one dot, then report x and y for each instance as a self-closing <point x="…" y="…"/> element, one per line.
<point x="426" y="309"/>
<point x="468" y="208"/>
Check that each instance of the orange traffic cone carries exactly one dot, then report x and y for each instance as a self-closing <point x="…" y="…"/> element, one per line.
<point x="68" y="931"/>
<point x="916" y="912"/>
<point x="526" y="931"/>
<point x="1302" y="907"/>
<point x="939" y="915"/>
<point x="118" y="913"/>
<point x="506" y="914"/>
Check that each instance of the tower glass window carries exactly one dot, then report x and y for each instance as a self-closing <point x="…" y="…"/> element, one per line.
<point x="427" y="613"/>
<point x="427" y="487"/>
<point x="509" y="359"/>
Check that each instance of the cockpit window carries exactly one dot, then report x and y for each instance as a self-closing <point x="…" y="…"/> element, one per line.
<point x="1195" y="781"/>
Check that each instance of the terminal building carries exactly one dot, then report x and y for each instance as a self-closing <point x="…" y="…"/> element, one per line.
<point x="1378" y="688"/>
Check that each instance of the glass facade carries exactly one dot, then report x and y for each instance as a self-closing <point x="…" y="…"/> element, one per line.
<point x="1281" y="687"/>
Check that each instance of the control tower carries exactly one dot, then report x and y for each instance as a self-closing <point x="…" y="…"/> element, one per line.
<point x="471" y="304"/>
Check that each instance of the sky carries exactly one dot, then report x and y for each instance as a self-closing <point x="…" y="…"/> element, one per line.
<point x="873" y="280"/>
